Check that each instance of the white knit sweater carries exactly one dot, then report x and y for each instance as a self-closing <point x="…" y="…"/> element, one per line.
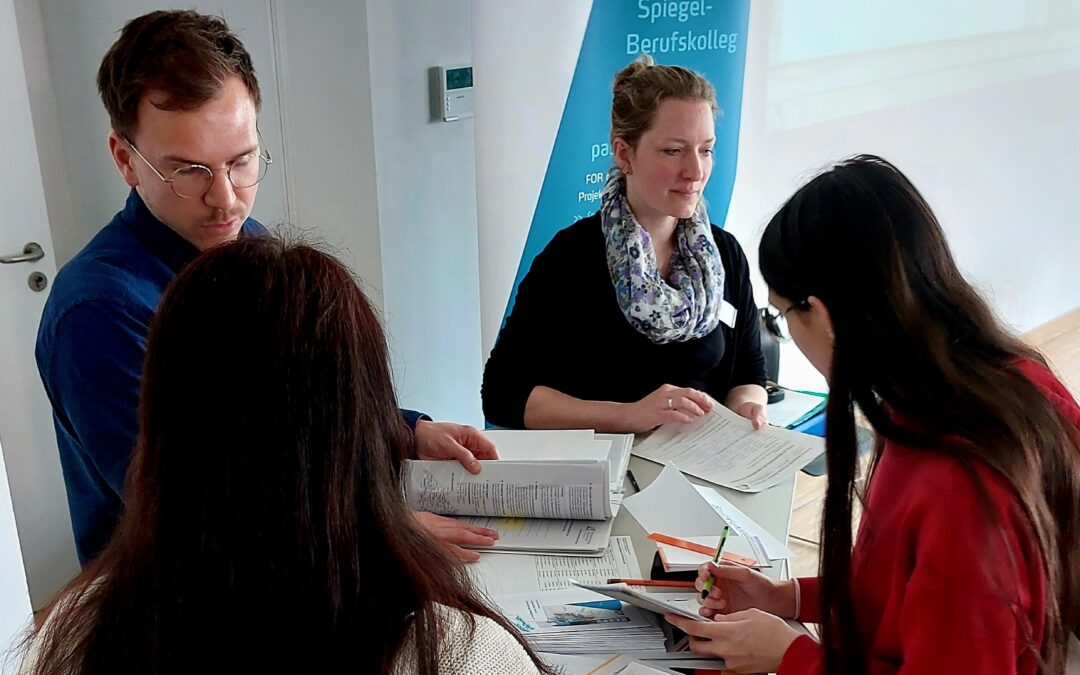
<point x="489" y="648"/>
<point x="486" y="649"/>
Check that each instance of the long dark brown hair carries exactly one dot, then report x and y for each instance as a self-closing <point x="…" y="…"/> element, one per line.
<point x="264" y="528"/>
<point x="914" y="339"/>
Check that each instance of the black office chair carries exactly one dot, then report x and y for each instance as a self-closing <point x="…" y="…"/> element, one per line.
<point x="770" y="348"/>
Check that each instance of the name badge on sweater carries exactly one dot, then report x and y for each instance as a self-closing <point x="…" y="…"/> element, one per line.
<point x="727" y="313"/>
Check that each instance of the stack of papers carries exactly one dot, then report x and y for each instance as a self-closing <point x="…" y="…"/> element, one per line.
<point x="549" y="445"/>
<point x="579" y="621"/>
<point x="537" y="594"/>
<point x="552" y="492"/>
<point x="508" y="574"/>
<point x="679" y="604"/>
<point x="618" y="464"/>
<point x="623" y="664"/>
<point x="724" y="448"/>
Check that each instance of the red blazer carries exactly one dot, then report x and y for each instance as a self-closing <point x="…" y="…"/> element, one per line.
<point x="935" y="591"/>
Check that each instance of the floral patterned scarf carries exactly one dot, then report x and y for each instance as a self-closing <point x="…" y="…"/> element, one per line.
<point x="684" y="307"/>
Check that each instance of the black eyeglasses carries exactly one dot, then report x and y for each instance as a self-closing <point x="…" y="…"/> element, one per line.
<point x="775" y="321"/>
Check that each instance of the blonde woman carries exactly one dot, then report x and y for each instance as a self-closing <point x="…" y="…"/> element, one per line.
<point x="642" y="313"/>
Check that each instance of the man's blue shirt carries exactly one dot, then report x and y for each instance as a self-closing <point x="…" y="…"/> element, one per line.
<point x="90" y="349"/>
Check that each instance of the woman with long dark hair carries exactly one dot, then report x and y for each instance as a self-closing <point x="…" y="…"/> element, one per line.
<point x="968" y="554"/>
<point x="265" y="530"/>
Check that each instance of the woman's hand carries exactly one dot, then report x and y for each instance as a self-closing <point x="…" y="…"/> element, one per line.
<point x="737" y="588"/>
<point x="454" y="534"/>
<point x="667" y="404"/>
<point x="446" y="440"/>
<point x="755" y="412"/>
<point x="749" y="401"/>
<point x="750" y="641"/>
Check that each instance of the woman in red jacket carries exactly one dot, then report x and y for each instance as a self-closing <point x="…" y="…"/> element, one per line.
<point x="968" y="554"/>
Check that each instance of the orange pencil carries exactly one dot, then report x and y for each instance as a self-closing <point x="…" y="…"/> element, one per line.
<point x="701" y="548"/>
<point x="653" y="582"/>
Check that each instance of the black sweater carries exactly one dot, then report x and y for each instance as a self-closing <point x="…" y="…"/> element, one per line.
<point x="567" y="332"/>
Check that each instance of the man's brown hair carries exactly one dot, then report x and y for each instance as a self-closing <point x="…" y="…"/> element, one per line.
<point x="183" y="54"/>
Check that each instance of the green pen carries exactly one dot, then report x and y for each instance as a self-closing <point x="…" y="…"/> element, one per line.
<point x="716" y="558"/>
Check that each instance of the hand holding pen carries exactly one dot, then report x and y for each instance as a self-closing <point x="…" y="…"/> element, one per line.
<point x="735" y="588"/>
<point x="716" y="558"/>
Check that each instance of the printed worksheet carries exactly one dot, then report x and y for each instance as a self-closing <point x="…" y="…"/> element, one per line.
<point x="724" y="448"/>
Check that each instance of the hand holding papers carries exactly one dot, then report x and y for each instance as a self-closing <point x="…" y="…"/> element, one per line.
<point x="723" y="448"/>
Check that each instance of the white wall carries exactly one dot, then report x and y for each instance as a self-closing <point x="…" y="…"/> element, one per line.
<point x="519" y="118"/>
<point x="987" y="127"/>
<point x="427" y="208"/>
<point x="324" y="86"/>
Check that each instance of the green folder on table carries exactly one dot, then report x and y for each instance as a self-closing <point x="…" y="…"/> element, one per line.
<point x="796" y="407"/>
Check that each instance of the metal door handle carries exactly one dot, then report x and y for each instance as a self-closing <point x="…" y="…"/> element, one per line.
<point x="32" y="252"/>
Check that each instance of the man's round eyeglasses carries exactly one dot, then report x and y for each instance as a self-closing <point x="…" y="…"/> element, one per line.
<point x="194" y="180"/>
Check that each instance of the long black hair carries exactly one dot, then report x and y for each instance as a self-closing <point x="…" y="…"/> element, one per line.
<point x="914" y="339"/>
<point x="264" y="528"/>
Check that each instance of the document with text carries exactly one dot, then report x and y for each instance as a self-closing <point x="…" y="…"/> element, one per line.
<point x="546" y="536"/>
<point x="579" y="621"/>
<point x="502" y="574"/>
<point x="572" y="489"/>
<point x="723" y="448"/>
<point x="561" y="444"/>
<point x="551" y="493"/>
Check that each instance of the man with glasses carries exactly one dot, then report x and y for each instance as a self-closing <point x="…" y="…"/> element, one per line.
<point x="183" y="103"/>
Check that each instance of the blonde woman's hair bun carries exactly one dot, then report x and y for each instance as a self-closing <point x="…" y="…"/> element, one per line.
<point x="624" y="76"/>
<point x="640" y="88"/>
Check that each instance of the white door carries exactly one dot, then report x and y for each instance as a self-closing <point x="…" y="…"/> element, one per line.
<point x="27" y="440"/>
<point x="14" y="597"/>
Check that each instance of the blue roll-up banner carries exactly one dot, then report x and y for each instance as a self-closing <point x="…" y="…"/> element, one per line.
<point x="707" y="36"/>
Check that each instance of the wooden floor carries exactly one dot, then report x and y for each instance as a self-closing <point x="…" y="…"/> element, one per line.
<point x="1058" y="340"/>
